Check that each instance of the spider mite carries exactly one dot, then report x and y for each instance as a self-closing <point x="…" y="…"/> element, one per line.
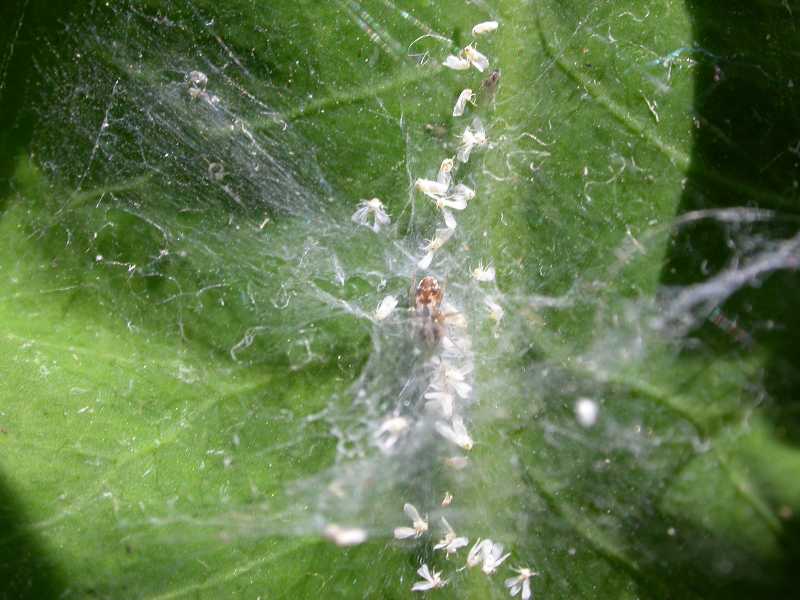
<point x="489" y="85"/>
<point x="435" y="130"/>
<point x="428" y="299"/>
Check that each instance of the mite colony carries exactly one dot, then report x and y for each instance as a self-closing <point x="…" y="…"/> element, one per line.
<point x="452" y="363"/>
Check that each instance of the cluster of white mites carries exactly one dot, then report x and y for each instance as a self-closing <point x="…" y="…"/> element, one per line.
<point x="485" y="553"/>
<point x="449" y="389"/>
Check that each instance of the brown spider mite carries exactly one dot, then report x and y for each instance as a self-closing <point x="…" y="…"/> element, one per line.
<point x="489" y="86"/>
<point x="429" y="295"/>
<point x="428" y="299"/>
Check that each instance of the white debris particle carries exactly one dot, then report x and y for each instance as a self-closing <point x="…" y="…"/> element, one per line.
<point x="216" y="171"/>
<point x="493" y="557"/>
<point x="450" y="543"/>
<point x="385" y="308"/>
<point x="336" y="488"/>
<point x="483" y="274"/>
<point x="474" y="135"/>
<point x="198" y="79"/>
<point x="450" y="378"/>
<point x="435" y="190"/>
<point x="390" y="431"/>
<point x="456" y="462"/>
<point x="445" y="175"/>
<point x="372" y="207"/>
<point x="489" y="553"/>
<point x="476" y="59"/>
<point x="439" y="191"/>
<point x="475" y="555"/>
<point x="521" y="582"/>
<point x="454" y="317"/>
<point x="449" y="219"/>
<point x="419" y="525"/>
<point x="458" y="198"/>
<point x="456" y="433"/>
<point x="485" y="27"/>
<point x="441" y="402"/>
<point x="425" y="261"/>
<point x="442" y="235"/>
<point x="496" y="311"/>
<point x="586" y="412"/>
<point x="430" y="580"/>
<point x="344" y="536"/>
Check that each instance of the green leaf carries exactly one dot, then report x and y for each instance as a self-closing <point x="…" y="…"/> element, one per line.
<point x="192" y="380"/>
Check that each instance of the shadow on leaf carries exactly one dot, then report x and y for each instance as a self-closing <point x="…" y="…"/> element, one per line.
<point x="745" y="160"/>
<point x="26" y="570"/>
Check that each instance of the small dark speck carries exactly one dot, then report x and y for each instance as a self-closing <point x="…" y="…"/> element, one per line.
<point x="436" y="130"/>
